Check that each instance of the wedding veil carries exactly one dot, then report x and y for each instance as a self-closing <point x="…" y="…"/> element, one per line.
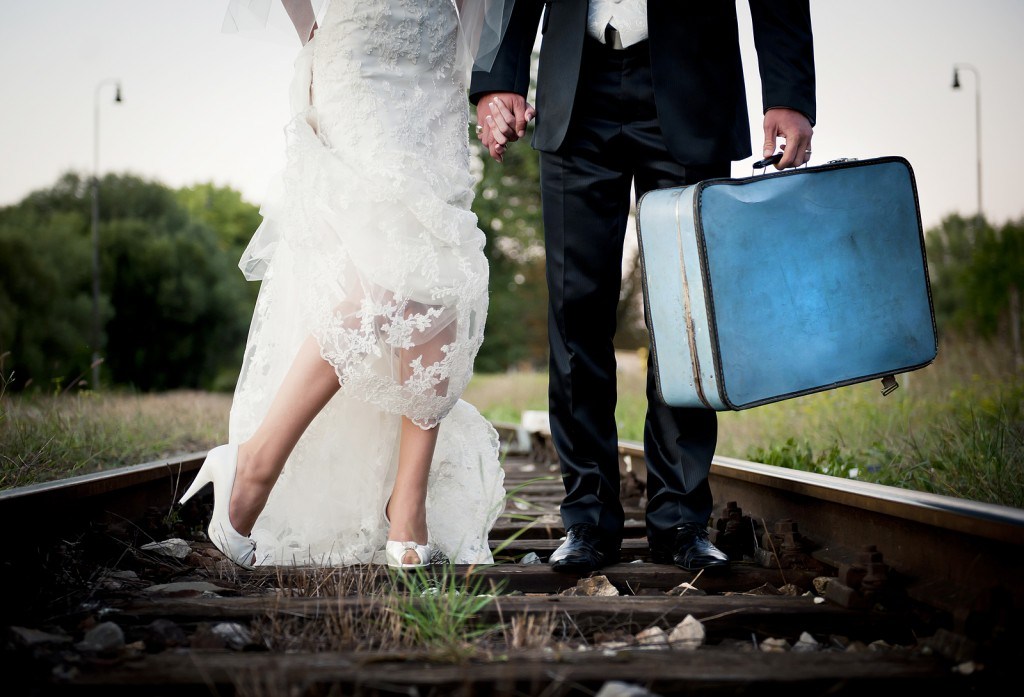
<point x="482" y="25"/>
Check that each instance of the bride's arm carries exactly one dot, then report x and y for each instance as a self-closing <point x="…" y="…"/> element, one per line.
<point x="302" y="16"/>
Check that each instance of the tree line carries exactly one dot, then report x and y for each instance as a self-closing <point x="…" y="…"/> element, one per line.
<point x="977" y="273"/>
<point x="175" y="309"/>
<point x="172" y="304"/>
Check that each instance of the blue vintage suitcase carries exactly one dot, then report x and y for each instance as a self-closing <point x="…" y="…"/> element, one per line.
<point x="774" y="286"/>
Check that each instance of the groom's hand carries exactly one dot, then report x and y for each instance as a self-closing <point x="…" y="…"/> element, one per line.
<point x="795" y="128"/>
<point x="501" y="119"/>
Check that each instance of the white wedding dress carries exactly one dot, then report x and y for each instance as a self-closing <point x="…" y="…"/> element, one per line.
<point x="369" y="245"/>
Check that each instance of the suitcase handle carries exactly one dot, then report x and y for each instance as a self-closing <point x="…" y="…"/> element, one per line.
<point x="773" y="160"/>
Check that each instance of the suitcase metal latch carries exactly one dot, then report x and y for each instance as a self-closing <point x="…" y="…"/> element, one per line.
<point x="889" y="384"/>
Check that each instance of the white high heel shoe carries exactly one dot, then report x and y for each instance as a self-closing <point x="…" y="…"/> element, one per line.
<point x="394" y="550"/>
<point x="219" y="469"/>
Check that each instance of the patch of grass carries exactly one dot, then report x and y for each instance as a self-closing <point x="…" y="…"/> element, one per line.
<point x="955" y="427"/>
<point x="801" y="456"/>
<point x="631" y="407"/>
<point x="338" y="627"/>
<point x="433" y="611"/>
<point x="505" y="396"/>
<point x="321" y="581"/>
<point x="977" y="450"/>
<point x="364" y="626"/>
<point x="531" y="631"/>
<point x="439" y="611"/>
<point x="45" y="437"/>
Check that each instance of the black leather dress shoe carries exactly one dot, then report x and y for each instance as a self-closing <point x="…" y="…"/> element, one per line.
<point x="688" y="547"/>
<point x="585" y="548"/>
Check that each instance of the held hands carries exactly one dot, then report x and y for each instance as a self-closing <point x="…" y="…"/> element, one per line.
<point x="795" y="129"/>
<point x="501" y="119"/>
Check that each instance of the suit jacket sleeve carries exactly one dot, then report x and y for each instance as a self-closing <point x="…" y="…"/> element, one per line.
<point x="785" y="54"/>
<point x="511" y="69"/>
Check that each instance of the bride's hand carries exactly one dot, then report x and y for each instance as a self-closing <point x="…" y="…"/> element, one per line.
<point x="501" y="119"/>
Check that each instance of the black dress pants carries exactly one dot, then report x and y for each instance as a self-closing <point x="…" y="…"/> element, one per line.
<point x="614" y="141"/>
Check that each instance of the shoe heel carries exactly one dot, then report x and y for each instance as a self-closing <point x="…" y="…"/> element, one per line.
<point x="203" y="477"/>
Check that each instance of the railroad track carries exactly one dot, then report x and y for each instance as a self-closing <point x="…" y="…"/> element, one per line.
<point x="836" y="587"/>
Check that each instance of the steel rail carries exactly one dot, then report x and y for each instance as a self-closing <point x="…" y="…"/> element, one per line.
<point x="982" y="543"/>
<point x="992" y="521"/>
<point x="980" y="554"/>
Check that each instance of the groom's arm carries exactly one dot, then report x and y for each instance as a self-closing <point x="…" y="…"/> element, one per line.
<point x="510" y="71"/>
<point x="785" y="56"/>
<point x="500" y="92"/>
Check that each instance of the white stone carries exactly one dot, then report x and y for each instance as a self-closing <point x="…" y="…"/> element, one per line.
<point x="236" y="636"/>
<point x="185" y="588"/>
<point x="688" y="634"/>
<point x="536" y="421"/>
<point x="774" y="645"/>
<point x="105" y="637"/>
<point x="174" y="547"/>
<point x="596" y="586"/>
<point x="617" y="688"/>
<point x="805" y="643"/>
<point x="653" y="636"/>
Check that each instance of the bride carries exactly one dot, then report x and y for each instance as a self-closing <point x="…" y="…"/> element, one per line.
<point x="348" y="441"/>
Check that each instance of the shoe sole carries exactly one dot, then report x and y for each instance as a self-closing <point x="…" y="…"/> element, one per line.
<point x="578" y="567"/>
<point x="668" y="561"/>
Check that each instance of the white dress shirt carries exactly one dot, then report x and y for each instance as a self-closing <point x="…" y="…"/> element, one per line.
<point x="628" y="17"/>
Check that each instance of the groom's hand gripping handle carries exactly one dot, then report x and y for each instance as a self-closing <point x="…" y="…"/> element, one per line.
<point x="795" y="129"/>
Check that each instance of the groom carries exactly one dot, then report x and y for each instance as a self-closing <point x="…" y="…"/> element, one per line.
<point x="643" y="94"/>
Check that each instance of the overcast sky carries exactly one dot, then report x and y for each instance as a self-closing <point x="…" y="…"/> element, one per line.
<point x="204" y="106"/>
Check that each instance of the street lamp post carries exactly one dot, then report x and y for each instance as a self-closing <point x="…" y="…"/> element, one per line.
<point x="977" y="116"/>
<point x="1014" y="290"/>
<point x="96" y="230"/>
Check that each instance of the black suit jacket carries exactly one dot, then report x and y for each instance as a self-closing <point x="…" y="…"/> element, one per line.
<point x="695" y="65"/>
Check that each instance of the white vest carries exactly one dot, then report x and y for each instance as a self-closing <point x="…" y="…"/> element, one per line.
<point x="628" y="17"/>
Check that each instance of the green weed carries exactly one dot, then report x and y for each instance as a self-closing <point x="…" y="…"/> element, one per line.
<point x="440" y="610"/>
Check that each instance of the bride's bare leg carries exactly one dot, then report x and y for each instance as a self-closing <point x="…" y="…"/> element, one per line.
<point x="407" y="509"/>
<point x="308" y="386"/>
